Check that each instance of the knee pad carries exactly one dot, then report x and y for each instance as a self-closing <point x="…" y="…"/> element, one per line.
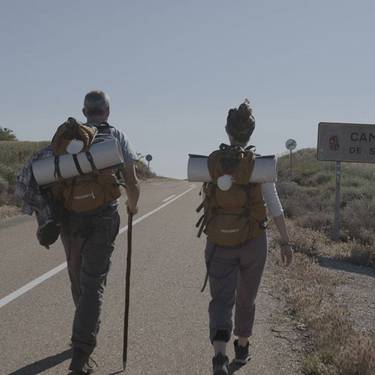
<point x="221" y="335"/>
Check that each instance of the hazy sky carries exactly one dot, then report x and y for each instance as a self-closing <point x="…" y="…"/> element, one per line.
<point x="174" y="68"/>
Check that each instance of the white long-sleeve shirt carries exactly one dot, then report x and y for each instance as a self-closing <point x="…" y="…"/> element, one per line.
<point x="271" y="199"/>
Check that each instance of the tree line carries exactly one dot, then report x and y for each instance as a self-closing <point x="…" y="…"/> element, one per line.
<point x="7" y="134"/>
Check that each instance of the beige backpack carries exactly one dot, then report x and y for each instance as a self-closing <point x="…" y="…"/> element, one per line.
<point x="237" y="214"/>
<point x="86" y="192"/>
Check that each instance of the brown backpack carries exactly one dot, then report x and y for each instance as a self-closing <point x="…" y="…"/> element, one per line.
<point x="86" y="192"/>
<point x="237" y="214"/>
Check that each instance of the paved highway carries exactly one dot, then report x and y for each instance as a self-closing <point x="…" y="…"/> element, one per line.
<point x="168" y="314"/>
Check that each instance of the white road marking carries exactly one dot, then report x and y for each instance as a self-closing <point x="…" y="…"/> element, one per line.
<point x="32" y="284"/>
<point x="12" y="296"/>
<point x="157" y="209"/>
<point x="168" y="198"/>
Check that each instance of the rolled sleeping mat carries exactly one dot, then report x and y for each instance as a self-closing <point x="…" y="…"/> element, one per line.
<point x="264" y="169"/>
<point x="104" y="154"/>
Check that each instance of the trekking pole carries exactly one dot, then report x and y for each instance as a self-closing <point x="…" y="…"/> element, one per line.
<point x="127" y="291"/>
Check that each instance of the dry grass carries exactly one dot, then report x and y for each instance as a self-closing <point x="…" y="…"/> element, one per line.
<point x="308" y="199"/>
<point x="314" y="244"/>
<point x="143" y="172"/>
<point x="8" y="211"/>
<point x="13" y="155"/>
<point x="338" y="349"/>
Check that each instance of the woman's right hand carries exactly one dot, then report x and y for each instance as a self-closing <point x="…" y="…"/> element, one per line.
<point x="286" y="253"/>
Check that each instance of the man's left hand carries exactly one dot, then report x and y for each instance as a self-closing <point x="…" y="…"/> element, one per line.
<point x="131" y="209"/>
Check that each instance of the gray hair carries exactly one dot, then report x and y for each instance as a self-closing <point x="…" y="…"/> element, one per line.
<point x="96" y="102"/>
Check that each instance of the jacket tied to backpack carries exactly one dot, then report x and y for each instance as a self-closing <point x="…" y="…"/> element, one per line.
<point x="86" y="192"/>
<point x="234" y="209"/>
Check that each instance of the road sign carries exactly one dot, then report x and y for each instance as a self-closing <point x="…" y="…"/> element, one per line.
<point x="148" y="157"/>
<point x="290" y="144"/>
<point x="346" y="142"/>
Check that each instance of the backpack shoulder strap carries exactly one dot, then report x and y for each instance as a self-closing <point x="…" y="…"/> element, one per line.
<point x="104" y="128"/>
<point x="213" y="161"/>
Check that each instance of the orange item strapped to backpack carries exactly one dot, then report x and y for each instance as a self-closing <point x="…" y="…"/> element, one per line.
<point x="69" y="130"/>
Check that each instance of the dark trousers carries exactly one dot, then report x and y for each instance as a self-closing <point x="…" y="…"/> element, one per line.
<point x="88" y="243"/>
<point x="234" y="278"/>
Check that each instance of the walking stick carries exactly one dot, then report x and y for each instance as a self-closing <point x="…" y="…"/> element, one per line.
<point x="127" y="290"/>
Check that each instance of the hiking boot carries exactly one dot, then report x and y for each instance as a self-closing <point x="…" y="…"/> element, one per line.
<point x="242" y="353"/>
<point x="82" y="363"/>
<point x="220" y="364"/>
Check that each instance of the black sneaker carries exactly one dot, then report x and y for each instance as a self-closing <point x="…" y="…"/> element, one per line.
<point x="242" y="353"/>
<point x="220" y="364"/>
<point x="82" y="363"/>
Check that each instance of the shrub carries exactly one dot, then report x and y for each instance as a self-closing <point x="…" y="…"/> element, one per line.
<point x="14" y="153"/>
<point x="3" y="190"/>
<point x="309" y="198"/>
<point x="8" y="173"/>
<point x="317" y="221"/>
<point x="7" y="134"/>
<point x="143" y="171"/>
<point x="4" y="185"/>
<point x="319" y="178"/>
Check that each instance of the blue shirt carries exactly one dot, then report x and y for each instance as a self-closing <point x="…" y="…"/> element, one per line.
<point x="126" y="147"/>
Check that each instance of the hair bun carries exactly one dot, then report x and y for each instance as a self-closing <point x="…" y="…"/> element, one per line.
<point x="244" y="110"/>
<point x="240" y="122"/>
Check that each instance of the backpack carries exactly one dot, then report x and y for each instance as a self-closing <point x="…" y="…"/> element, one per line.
<point x="234" y="212"/>
<point x="86" y="192"/>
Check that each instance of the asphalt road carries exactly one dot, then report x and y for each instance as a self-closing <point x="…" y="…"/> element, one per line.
<point x="168" y="314"/>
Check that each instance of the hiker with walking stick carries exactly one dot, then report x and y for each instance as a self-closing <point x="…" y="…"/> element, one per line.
<point x="88" y="239"/>
<point x="234" y="221"/>
<point x="73" y="186"/>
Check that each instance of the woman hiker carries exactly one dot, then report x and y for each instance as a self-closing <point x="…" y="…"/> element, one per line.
<point x="236" y="249"/>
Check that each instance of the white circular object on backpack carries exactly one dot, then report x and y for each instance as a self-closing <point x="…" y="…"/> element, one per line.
<point x="225" y="182"/>
<point x="74" y="147"/>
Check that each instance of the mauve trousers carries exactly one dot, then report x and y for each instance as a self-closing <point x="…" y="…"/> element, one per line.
<point x="88" y="243"/>
<point x="234" y="278"/>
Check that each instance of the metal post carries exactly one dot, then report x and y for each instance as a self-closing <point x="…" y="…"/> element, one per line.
<point x="291" y="163"/>
<point x="148" y="165"/>
<point x="127" y="291"/>
<point x="337" y="224"/>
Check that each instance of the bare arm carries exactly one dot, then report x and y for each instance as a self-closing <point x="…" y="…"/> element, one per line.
<point x="280" y="223"/>
<point x="132" y="187"/>
<point x="275" y="209"/>
<point x="286" y="248"/>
